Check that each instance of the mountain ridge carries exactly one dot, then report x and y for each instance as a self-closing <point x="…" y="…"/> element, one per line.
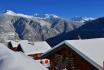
<point x="92" y="29"/>
<point x="34" y="28"/>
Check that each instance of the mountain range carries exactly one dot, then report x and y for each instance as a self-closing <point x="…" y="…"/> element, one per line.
<point x="37" y="27"/>
<point x="49" y="27"/>
<point x="82" y="19"/>
<point x="91" y="29"/>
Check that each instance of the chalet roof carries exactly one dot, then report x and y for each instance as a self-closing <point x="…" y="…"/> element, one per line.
<point x="36" y="47"/>
<point x="90" y="49"/>
<point x="42" y="46"/>
<point x="16" y="43"/>
<point x="10" y="60"/>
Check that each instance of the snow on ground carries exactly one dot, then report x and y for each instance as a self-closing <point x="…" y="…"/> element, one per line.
<point x="10" y="60"/>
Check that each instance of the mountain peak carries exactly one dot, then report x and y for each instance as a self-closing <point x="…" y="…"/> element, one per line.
<point x="9" y="12"/>
<point x="40" y="16"/>
<point x="45" y="16"/>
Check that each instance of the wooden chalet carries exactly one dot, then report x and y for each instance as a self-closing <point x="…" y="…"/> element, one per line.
<point x="12" y="45"/>
<point x="77" y="55"/>
<point x="33" y="49"/>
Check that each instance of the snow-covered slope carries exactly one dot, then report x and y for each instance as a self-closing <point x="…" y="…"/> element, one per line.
<point x="92" y="29"/>
<point x="9" y="12"/>
<point x="10" y="60"/>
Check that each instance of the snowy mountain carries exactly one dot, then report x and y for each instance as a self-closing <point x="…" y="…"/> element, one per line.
<point x="35" y="27"/>
<point x="82" y="19"/>
<point x="92" y="29"/>
<point x="45" y="16"/>
<point x="9" y="12"/>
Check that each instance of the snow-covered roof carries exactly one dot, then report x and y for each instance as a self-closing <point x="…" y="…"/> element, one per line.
<point x="10" y="60"/>
<point x="27" y="48"/>
<point x="14" y="44"/>
<point x="36" y="47"/>
<point x="42" y="47"/>
<point x="90" y="49"/>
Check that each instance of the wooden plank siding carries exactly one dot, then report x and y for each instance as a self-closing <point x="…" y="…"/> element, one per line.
<point x="65" y="57"/>
<point x="10" y="46"/>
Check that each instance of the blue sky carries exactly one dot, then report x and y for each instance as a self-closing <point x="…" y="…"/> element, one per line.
<point x="63" y="8"/>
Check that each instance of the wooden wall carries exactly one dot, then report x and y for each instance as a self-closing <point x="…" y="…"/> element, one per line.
<point x="66" y="58"/>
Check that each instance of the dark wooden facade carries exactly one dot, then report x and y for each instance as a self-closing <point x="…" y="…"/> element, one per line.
<point x="64" y="57"/>
<point x="10" y="46"/>
<point x="19" y="48"/>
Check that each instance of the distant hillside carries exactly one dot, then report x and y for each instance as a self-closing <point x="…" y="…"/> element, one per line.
<point x="92" y="29"/>
<point x="82" y="19"/>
